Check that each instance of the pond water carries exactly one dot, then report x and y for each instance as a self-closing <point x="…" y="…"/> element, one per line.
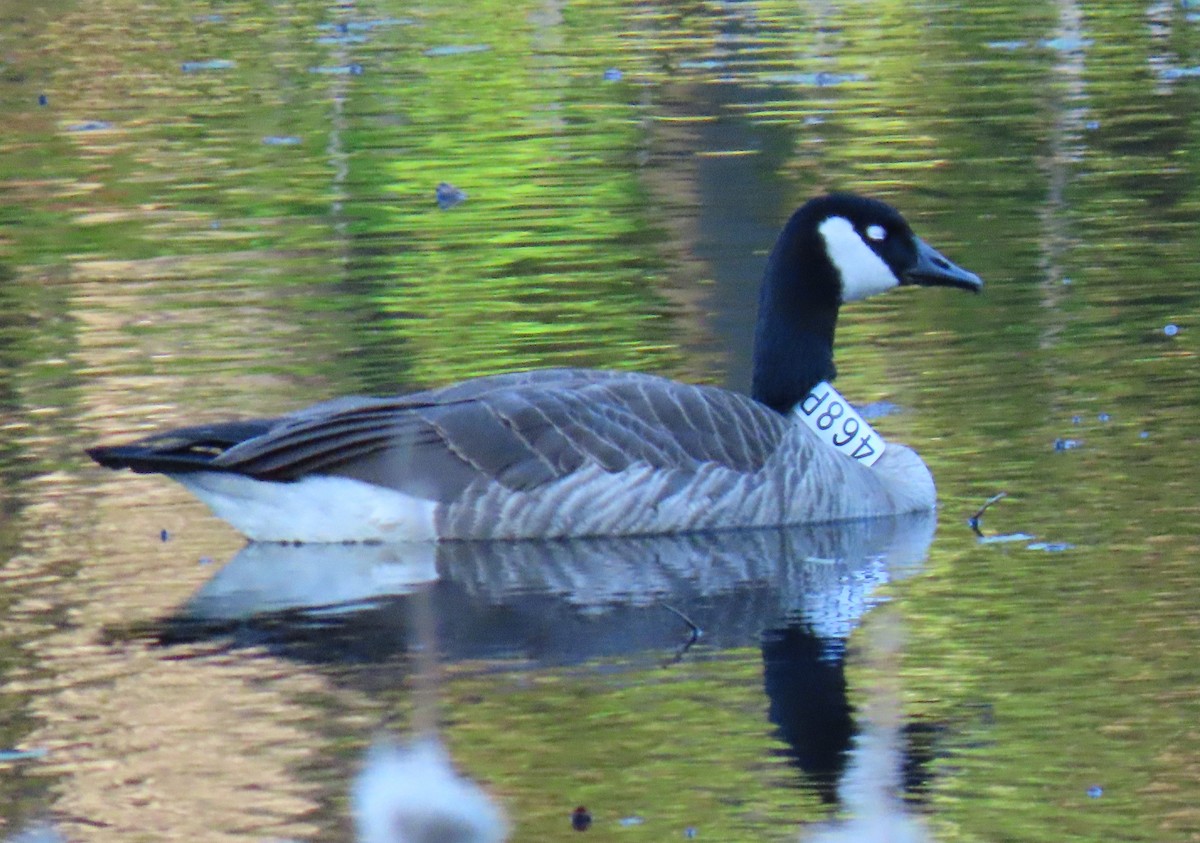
<point x="231" y="208"/>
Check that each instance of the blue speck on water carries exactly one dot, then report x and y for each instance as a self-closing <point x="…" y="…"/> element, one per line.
<point x="90" y="126"/>
<point x="1067" y="444"/>
<point x="281" y="140"/>
<point x="365" y="25"/>
<point x="1179" y="72"/>
<point x="207" y="64"/>
<point x="631" y="820"/>
<point x="1095" y="791"/>
<point x="1104" y="417"/>
<point x="690" y="832"/>
<point x="1145" y="434"/>
<point x="1007" y="538"/>
<point x="1066" y="44"/>
<point x="456" y="50"/>
<point x="1066" y="282"/>
<point x="339" y="70"/>
<point x="822" y="79"/>
<point x="210" y="19"/>
<point x="43" y="99"/>
<point x="215" y="224"/>
<point x="341" y="40"/>
<point x="612" y="75"/>
<point x="1076" y="419"/>
<point x="879" y="409"/>
<point x="1050" y="547"/>
<point x="1092" y="125"/>
<point x="164" y="535"/>
<point x="205" y="560"/>
<point x="22" y="754"/>
<point x="1006" y="45"/>
<point x="1171" y="330"/>
<point x="448" y="196"/>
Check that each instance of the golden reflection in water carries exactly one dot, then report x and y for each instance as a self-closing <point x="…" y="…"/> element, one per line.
<point x="151" y="745"/>
<point x="148" y="746"/>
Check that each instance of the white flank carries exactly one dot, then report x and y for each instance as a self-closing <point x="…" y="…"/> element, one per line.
<point x="863" y="272"/>
<point x="315" y="509"/>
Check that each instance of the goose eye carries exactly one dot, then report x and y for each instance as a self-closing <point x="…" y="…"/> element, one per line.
<point x="877" y="233"/>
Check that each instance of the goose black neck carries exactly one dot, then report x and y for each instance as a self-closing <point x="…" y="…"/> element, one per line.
<point x="797" y="313"/>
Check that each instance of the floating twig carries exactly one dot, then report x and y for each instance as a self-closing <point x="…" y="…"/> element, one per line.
<point x="696" y="632"/>
<point x="974" y="521"/>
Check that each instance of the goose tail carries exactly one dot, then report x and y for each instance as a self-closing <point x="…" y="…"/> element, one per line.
<point x="179" y="451"/>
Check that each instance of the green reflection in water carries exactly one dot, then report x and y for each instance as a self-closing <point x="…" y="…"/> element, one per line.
<point x="552" y="258"/>
<point x="703" y="758"/>
<point x="176" y="260"/>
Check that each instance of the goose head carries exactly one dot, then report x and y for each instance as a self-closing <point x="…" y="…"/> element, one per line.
<point x="835" y="249"/>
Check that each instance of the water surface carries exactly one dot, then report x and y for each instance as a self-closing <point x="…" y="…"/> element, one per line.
<point x="230" y="209"/>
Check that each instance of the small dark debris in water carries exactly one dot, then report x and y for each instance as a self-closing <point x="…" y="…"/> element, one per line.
<point x="164" y="535"/>
<point x="1171" y="330"/>
<point x="976" y="520"/>
<point x="448" y="196"/>
<point x="339" y="70"/>
<point x="613" y="75"/>
<point x="1067" y="444"/>
<point x="455" y="50"/>
<point x="1095" y="791"/>
<point x="690" y="832"/>
<point x="90" y="126"/>
<point x="1050" y="547"/>
<point x="23" y="754"/>
<point x="207" y="64"/>
<point x="631" y="820"/>
<point x="1104" y="417"/>
<point x="581" y="819"/>
<point x="281" y="140"/>
<point x="43" y="99"/>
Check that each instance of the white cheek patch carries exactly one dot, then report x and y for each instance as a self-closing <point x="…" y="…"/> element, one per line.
<point x="863" y="272"/>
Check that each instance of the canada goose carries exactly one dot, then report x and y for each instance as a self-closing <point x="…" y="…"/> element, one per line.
<point x="574" y="452"/>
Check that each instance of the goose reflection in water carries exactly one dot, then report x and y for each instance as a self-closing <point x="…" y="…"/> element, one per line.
<point x="797" y="592"/>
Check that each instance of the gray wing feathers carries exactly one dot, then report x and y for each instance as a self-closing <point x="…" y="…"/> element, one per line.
<point x="521" y="431"/>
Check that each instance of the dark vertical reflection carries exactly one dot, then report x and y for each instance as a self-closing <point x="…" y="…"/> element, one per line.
<point x="805" y="681"/>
